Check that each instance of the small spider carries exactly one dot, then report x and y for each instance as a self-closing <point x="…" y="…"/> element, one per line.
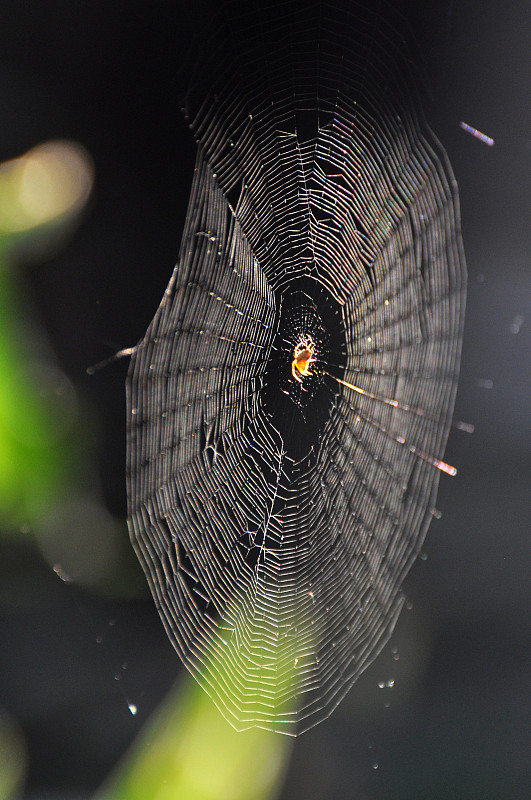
<point x="303" y="358"/>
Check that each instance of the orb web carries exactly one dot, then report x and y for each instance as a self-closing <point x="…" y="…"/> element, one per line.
<point x="277" y="510"/>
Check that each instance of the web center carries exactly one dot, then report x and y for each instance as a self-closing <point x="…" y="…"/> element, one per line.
<point x="303" y="358"/>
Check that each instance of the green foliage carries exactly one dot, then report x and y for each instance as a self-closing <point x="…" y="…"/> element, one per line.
<point x="189" y="752"/>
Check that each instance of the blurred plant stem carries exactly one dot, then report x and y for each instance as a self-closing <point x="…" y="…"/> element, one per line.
<point x="189" y="752"/>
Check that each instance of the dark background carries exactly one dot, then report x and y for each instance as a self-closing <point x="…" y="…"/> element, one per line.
<point x="457" y="721"/>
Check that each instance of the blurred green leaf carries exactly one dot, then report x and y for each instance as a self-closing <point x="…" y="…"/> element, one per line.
<point x="189" y="752"/>
<point x="32" y="465"/>
<point x="13" y="756"/>
<point x="41" y="196"/>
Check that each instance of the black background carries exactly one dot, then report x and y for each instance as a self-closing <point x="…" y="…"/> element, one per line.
<point x="107" y="74"/>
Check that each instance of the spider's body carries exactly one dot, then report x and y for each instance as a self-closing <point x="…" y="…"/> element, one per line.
<point x="303" y="358"/>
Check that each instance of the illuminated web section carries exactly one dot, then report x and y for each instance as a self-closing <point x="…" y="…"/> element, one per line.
<point x="289" y="405"/>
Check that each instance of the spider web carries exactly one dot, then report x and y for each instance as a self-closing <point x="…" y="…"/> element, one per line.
<point x="277" y="517"/>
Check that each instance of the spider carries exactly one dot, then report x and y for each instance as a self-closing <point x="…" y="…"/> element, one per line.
<point x="303" y="358"/>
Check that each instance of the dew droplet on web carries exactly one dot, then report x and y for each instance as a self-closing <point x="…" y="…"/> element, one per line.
<point x="466" y="427"/>
<point x="60" y="572"/>
<point x="516" y="324"/>
<point x="488" y="140"/>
